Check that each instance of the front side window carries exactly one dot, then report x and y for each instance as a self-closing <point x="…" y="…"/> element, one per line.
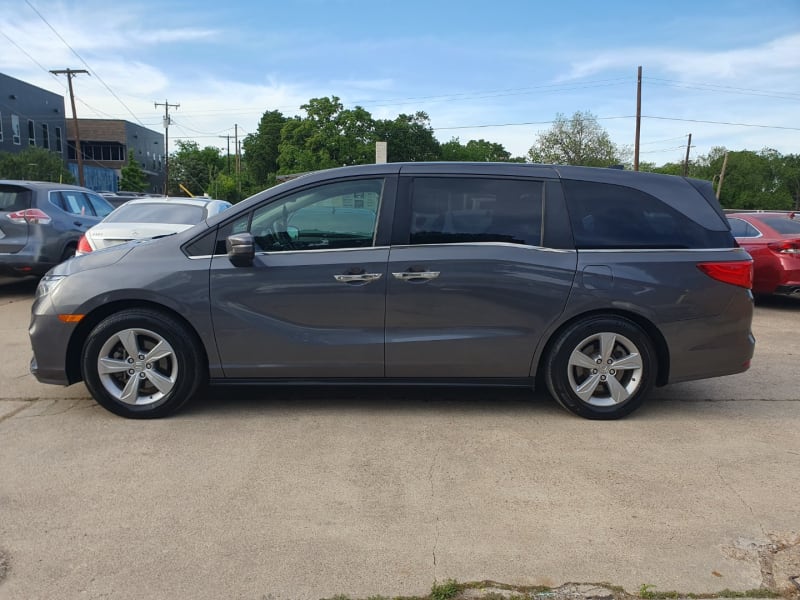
<point x="327" y="217"/>
<point x="447" y="210"/>
<point x="100" y="205"/>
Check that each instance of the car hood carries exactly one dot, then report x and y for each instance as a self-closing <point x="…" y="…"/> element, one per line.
<point x="93" y="260"/>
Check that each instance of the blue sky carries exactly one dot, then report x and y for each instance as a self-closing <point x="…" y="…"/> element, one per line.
<point x="494" y="70"/>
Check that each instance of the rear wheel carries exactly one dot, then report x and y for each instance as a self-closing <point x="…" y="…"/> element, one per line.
<point x="68" y="253"/>
<point x="601" y="368"/>
<point x="142" y="364"/>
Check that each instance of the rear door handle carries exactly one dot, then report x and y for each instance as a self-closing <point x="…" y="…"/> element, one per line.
<point x="416" y="275"/>
<point x="359" y="278"/>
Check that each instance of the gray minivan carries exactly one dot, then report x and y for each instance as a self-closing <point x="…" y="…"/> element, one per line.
<point x="597" y="283"/>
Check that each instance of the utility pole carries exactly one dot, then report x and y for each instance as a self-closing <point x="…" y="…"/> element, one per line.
<point x="686" y="162"/>
<point x="228" y="137"/>
<point x="238" y="159"/>
<point x="167" y="122"/>
<point x="638" y="119"/>
<point x="70" y="73"/>
<point x="722" y="174"/>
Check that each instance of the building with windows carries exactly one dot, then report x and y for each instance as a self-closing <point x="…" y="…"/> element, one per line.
<point x="108" y="143"/>
<point x="30" y="116"/>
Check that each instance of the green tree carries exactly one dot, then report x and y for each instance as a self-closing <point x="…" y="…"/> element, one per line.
<point x="408" y="138"/>
<point x="133" y="178"/>
<point x="475" y="151"/>
<point x="328" y="136"/>
<point x="753" y="180"/>
<point x="193" y="168"/>
<point x="35" y="164"/>
<point x="579" y="140"/>
<point x="261" y="149"/>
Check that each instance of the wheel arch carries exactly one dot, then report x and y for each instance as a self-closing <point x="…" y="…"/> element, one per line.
<point x="655" y="335"/>
<point x="91" y="319"/>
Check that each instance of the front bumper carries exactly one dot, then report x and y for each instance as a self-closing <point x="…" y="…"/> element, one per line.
<point x="50" y="341"/>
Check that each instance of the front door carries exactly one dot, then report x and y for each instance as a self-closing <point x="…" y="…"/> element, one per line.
<point x="313" y="303"/>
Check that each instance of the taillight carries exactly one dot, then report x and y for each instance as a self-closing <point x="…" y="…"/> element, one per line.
<point x="83" y="246"/>
<point x="32" y="216"/>
<point x="790" y="247"/>
<point x="739" y="272"/>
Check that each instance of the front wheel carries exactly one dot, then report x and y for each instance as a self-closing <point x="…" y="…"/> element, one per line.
<point x="142" y="364"/>
<point x="601" y="368"/>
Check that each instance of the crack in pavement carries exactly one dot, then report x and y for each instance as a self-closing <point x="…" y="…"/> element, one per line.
<point x="433" y="495"/>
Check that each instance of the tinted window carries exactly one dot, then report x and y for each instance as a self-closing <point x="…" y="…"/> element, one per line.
<point x="100" y="205"/>
<point x="73" y="201"/>
<point x="619" y="217"/>
<point x="782" y="224"/>
<point x="742" y="229"/>
<point x="13" y="198"/>
<point x="157" y="212"/>
<point x="457" y="210"/>
<point x="327" y="217"/>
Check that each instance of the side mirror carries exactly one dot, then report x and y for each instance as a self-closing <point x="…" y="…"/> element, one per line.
<point x="241" y="248"/>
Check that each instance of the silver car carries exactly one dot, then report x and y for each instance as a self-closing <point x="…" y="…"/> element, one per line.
<point x="147" y="218"/>
<point x="596" y="283"/>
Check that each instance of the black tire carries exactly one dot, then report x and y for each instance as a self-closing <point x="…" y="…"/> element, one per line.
<point x="601" y="390"/>
<point x="68" y="253"/>
<point x="167" y="370"/>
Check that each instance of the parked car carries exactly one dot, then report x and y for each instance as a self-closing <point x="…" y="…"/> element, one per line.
<point x="597" y="283"/>
<point x="41" y="223"/>
<point x="773" y="240"/>
<point x="149" y="217"/>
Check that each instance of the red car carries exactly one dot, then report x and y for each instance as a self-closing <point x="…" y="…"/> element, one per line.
<point x="773" y="240"/>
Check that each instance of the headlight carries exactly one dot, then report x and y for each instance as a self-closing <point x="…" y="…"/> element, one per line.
<point x="47" y="284"/>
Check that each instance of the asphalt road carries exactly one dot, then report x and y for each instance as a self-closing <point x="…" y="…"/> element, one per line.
<point x="311" y="493"/>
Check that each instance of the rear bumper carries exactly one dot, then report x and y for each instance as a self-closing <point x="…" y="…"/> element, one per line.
<point x="20" y="264"/>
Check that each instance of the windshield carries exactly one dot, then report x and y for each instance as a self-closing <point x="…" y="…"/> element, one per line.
<point x="157" y="212"/>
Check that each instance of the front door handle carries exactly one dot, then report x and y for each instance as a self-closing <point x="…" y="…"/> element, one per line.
<point x="416" y="275"/>
<point x="359" y="278"/>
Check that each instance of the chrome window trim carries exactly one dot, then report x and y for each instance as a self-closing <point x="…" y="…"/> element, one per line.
<point x="499" y="244"/>
<point x="650" y="250"/>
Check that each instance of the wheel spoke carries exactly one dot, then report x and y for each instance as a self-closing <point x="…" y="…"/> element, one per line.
<point x="110" y="365"/>
<point x="618" y="391"/>
<point x="607" y="343"/>
<point x="130" y="392"/>
<point x="579" y="359"/>
<point x="159" y="351"/>
<point x="164" y="384"/>
<point x="129" y="342"/>
<point x="586" y="389"/>
<point x="632" y="361"/>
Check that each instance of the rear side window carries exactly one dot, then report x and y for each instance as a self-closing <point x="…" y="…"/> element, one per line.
<point x="742" y="229"/>
<point x="72" y="201"/>
<point x="447" y="210"/>
<point x="606" y="216"/>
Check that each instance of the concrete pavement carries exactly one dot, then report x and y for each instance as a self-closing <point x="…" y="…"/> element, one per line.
<point x="311" y="493"/>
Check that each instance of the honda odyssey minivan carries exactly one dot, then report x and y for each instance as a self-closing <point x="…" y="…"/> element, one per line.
<point x="596" y="283"/>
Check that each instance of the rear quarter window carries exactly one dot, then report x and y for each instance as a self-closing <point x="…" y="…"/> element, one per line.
<point x="608" y="216"/>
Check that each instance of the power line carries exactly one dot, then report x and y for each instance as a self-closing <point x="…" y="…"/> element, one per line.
<point x="92" y="71"/>
<point x="723" y="88"/>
